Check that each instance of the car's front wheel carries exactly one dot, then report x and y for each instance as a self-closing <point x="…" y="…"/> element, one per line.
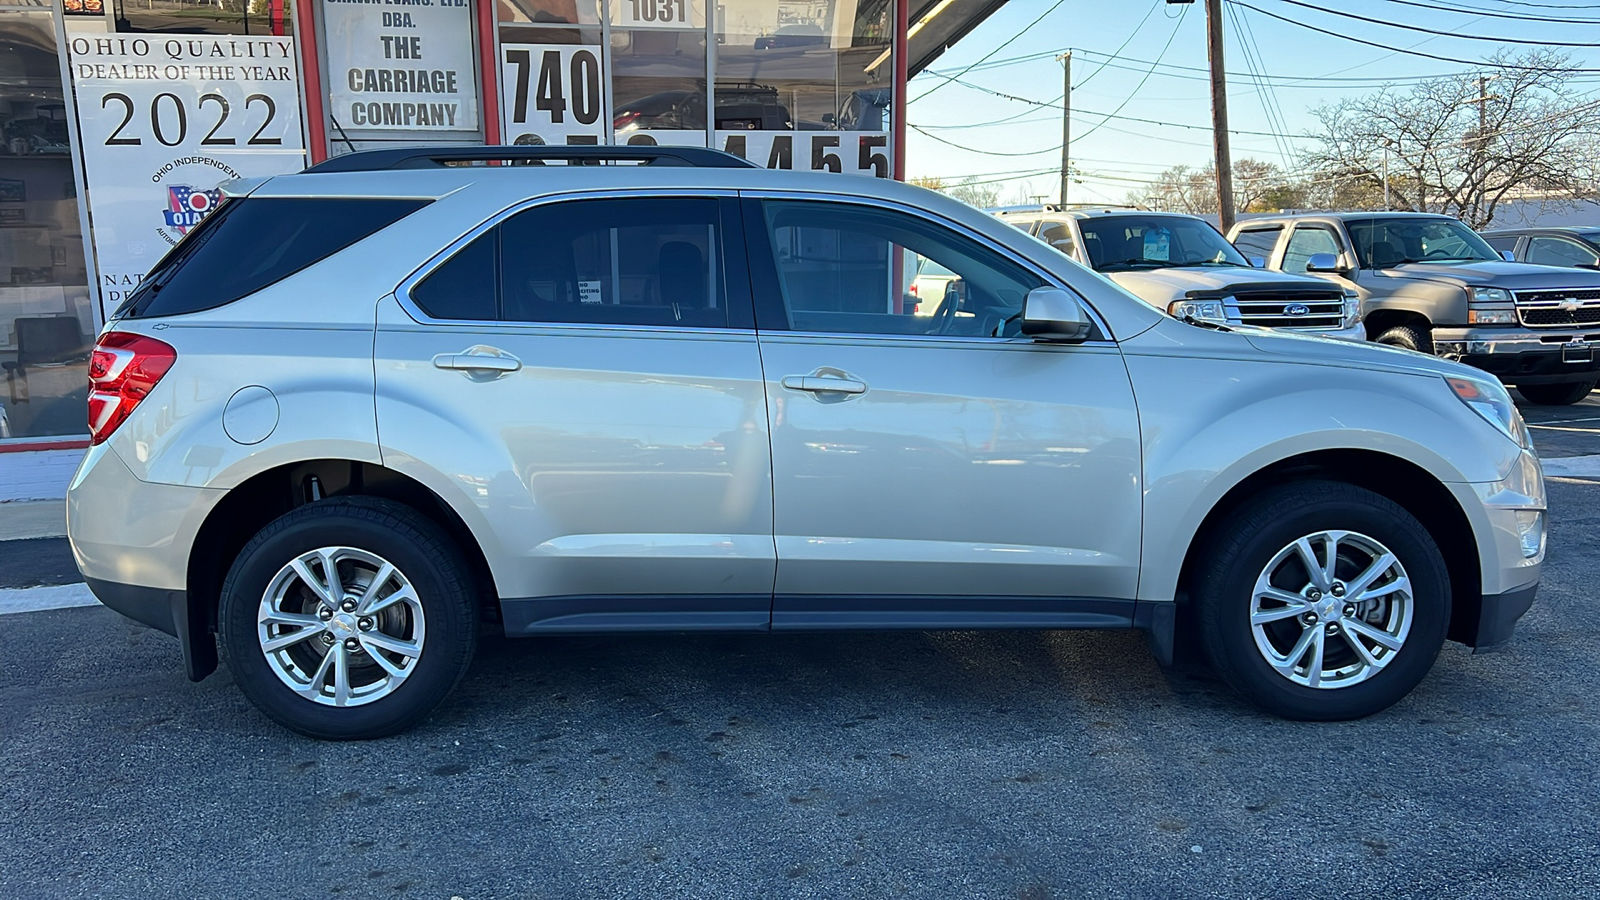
<point x="1320" y="600"/>
<point x="1556" y="394"/>
<point x="348" y="618"/>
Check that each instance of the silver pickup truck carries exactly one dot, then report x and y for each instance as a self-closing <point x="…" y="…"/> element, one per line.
<point x="1429" y="283"/>
<point x="1182" y="265"/>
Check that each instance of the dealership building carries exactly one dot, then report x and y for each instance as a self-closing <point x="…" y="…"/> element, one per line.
<point x="120" y="118"/>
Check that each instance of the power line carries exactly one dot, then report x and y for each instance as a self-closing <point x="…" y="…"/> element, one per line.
<point x="1419" y="28"/>
<point x="1468" y="11"/>
<point x="1346" y="37"/>
<point x="1136" y="88"/>
<point x="1004" y="44"/>
<point x="1135" y="33"/>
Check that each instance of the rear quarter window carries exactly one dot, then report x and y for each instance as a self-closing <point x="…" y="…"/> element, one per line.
<point x="250" y="243"/>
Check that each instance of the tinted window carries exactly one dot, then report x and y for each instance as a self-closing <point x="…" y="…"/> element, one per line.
<point x="464" y="287"/>
<point x="1305" y="242"/>
<point x="851" y="269"/>
<point x="644" y="261"/>
<point x="1123" y="243"/>
<point x="1548" y="251"/>
<point x="1258" y="242"/>
<point x="1502" y="241"/>
<point x="1057" y="235"/>
<point x="248" y="244"/>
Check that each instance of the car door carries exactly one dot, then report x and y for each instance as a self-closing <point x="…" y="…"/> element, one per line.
<point x="933" y="469"/>
<point x="1545" y="250"/>
<point x="580" y="380"/>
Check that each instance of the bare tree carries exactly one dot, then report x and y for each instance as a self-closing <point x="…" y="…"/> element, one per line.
<point x="969" y="190"/>
<point x="1463" y="144"/>
<point x="931" y="182"/>
<point x="1194" y="191"/>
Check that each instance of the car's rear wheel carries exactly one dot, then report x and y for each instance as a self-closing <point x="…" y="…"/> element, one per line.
<point x="1322" y="601"/>
<point x="348" y="618"/>
<point x="1409" y="337"/>
<point x="1556" y="394"/>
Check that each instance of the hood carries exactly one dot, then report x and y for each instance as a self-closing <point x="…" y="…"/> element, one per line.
<point x="1327" y="351"/>
<point x="1162" y="286"/>
<point x="1497" y="273"/>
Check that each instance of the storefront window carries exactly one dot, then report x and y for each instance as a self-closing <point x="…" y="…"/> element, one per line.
<point x="658" y="71"/>
<point x="46" y="318"/>
<point x="258" y="17"/>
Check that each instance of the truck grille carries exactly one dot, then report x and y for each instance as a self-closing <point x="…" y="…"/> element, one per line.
<point x="1558" y="308"/>
<point x="1323" y="309"/>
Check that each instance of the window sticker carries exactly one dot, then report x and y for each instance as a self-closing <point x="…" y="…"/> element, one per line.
<point x="589" y="292"/>
<point x="1158" y="244"/>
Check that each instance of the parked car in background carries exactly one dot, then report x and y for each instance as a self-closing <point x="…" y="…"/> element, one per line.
<point x="740" y="107"/>
<point x="363" y="411"/>
<point x="1573" y="246"/>
<point x="789" y="37"/>
<point x="1182" y="265"/>
<point x="1429" y="283"/>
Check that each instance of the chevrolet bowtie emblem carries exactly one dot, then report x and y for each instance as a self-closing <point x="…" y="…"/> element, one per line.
<point x="1570" y="304"/>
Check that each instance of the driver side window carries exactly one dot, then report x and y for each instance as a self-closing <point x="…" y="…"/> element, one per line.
<point x="850" y="269"/>
<point x="1304" y="243"/>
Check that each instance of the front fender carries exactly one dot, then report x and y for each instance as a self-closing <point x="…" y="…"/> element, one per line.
<point x="1208" y="422"/>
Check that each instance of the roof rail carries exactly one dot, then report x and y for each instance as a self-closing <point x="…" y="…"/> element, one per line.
<point x="439" y="157"/>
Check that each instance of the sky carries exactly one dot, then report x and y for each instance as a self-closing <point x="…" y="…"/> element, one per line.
<point x="1112" y="157"/>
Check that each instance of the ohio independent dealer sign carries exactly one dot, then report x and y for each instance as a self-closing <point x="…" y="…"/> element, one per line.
<point x="164" y="121"/>
<point x="401" y="65"/>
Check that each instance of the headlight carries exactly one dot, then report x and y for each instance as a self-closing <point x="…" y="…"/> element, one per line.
<point x="1352" y="307"/>
<point x="1490" y="295"/>
<point x="1490" y="400"/>
<point x="1204" y="310"/>
<point x="1491" y="317"/>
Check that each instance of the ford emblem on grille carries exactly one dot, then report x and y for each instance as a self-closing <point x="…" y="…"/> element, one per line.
<point x="1297" y="309"/>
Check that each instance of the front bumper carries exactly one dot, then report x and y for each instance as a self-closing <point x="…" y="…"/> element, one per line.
<point x="1491" y="623"/>
<point x="1510" y="520"/>
<point x="1521" y="356"/>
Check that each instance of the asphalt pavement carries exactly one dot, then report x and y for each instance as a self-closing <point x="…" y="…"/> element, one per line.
<point x="942" y="765"/>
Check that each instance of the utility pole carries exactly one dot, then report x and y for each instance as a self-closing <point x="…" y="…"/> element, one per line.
<point x="1386" y="177"/>
<point x="1219" y="114"/>
<point x="1066" y="123"/>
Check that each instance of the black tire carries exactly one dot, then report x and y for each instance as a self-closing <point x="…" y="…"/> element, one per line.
<point x="1272" y="521"/>
<point x="430" y="561"/>
<point x="1556" y="394"/>
<point x="1408" y="337"/>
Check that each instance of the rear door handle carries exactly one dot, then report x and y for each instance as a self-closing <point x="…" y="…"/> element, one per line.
<point x="820" y="384"/>
<point x="479" y="361"/>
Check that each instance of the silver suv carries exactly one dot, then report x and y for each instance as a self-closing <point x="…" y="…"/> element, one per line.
<point x="1183" y="265"/>
<point x="361" y="412"/>
<point x="1429" y="283"/>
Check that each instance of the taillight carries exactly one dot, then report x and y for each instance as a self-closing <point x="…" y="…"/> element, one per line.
<point x="625" y="120"/>
<point x="122" y="370"/>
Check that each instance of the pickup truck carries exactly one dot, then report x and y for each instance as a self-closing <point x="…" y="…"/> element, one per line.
<point x="1429" y="283"/>
<point x="1182" y="265"/>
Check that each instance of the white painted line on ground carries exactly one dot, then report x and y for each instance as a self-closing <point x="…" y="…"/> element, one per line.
<point x="38" y="599"/>
<point x="1580" y="466"/>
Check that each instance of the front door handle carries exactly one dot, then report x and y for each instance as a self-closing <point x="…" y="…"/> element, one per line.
<point x="824" y="384"/>
<point x="480" y="362"/>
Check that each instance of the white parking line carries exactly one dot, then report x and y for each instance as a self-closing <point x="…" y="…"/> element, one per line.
<point x="1573" y="466"/>
<point x="38" y="599"/>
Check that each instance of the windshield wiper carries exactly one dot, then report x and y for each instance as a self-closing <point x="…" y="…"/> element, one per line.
<point x="1202" y="262"/>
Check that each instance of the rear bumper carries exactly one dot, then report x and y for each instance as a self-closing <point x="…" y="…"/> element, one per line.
<point x="1519" y="356"/>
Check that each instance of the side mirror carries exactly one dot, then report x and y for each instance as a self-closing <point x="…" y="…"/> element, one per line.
<point x="1259" y="262"/>
<point x="1051" y="314"/>
<point x="1508" y="256"/>
<point x="1324" y="262"/>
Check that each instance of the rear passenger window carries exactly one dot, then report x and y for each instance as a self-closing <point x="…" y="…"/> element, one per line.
<point x="250" y="243"/>
<point x="1257" y="242"/>
<point x="1057" y="235"/>
<point x="637" y="261"/>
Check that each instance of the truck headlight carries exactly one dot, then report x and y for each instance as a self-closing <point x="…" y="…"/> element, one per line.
<point x="1203" y="310"/>
<point x="1352" y="307"/>
<point x="1490" y="295"/>
<point x="1490" y="400"/>
<point x="1491" y="317"/>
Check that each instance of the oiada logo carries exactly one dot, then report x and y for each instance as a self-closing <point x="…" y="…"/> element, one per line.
<point x="186" y="206"/>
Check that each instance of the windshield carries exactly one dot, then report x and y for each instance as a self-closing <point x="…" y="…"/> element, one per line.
<point x="1382" y="243"/>
<point x="1120" y="243"/>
